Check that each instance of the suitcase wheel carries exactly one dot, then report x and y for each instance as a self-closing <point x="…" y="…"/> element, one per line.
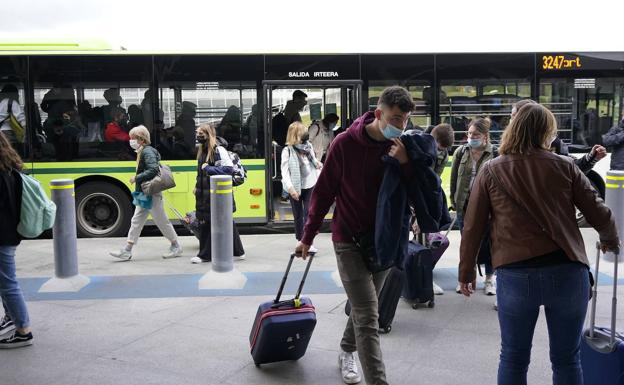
<point x="386" y="330"/>
<point x="429" y="304"/>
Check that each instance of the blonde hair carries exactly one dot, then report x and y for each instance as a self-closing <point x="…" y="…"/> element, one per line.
<point x="295" y="132"/>
<point x="533" y="127"/>
<point x="211" y="142"/>
<point x="142" y="133"/>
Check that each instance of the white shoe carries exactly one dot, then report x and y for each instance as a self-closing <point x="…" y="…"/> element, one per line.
<point x="313" y="250"/>
<point x="496" y="304"/>
<point x="196" y="259"/>
<point x="458" y="289"/>
<point x="489" y="288"/>
<point x="122" y="254"/>
<point x="174" y="252"/>
<point x="239" y="257"/>
<point x="437" y="290"/>
<point x="348" y="368"/>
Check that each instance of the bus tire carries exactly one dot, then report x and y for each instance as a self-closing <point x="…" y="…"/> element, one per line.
<point x="102" y="210"/>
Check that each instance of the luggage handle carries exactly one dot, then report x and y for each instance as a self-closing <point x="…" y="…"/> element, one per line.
<point x="592" y="322"/>
<point x="297" y="303"/>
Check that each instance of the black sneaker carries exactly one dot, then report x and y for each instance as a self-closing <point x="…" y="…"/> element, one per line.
<point x="16" y="340"/>
<point x="6" y="325"/>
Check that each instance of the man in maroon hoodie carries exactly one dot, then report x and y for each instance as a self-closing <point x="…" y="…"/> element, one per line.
<point x="352" y="177"/>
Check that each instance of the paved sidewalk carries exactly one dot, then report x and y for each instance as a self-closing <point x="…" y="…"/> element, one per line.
<point x="145" y="322"/>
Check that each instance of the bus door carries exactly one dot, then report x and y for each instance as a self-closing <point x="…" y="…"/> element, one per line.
<point x="307" y="101"/>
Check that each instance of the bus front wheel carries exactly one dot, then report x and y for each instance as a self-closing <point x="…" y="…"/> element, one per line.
<point x="102" y="210"/>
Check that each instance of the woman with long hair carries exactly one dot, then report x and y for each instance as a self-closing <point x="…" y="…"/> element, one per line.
<point x="148" y="163"/>
<point x="529" y="195"/>
<point x="15" y="319"/>
<point x="212" y="159"/>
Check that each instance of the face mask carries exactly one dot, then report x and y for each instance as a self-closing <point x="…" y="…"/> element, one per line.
<point x="475" y="143"/>
<point x="391" y="132"/>
<point x="134" y="144"/>
<point x="305" y="137"/>
<point x="332" y="126"/>
<point x="201" y="140"/>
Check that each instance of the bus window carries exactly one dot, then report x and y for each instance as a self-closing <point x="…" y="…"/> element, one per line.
<point x="420" y="118"/>
<point x="585" y="108"/>
<point x="87" y="106"/>
<point x="12" y="102"/>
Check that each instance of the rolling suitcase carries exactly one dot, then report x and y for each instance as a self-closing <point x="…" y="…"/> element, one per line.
<point x="602" y="349"/>
<point x="282" y="329"/>
<point x="388" y="299"/>
<point x="418" y="270"/>
<point x="438" y="242"/>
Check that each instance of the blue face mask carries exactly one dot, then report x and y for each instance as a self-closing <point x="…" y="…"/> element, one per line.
<point x="391" y="132"/>
<point x="332" y="126"/>
<point x="475" y="143"/>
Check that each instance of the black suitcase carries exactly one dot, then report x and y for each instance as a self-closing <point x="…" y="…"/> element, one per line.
<point x="388" y="299"/>
<point x="418" y="270"/>
<point x="282" y="330"/>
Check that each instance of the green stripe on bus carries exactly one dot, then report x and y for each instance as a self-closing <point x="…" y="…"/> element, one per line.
<point x="112" y="170"/>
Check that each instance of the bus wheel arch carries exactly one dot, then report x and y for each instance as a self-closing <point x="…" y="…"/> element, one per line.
<point x="103" y="207"/>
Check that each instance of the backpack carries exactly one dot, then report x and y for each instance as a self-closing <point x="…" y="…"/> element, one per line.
<point x="279" y="126"/>
<point x="37" y="210"/>
<point x="240" y="174"/>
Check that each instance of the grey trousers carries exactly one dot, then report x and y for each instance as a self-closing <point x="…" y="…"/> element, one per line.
<point x="158" y="215"/>
<point x="362" y="330"/>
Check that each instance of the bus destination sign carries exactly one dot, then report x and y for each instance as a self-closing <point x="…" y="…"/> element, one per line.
<point x="561" y="62"/>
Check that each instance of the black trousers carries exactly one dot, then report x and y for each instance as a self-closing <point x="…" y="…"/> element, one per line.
<point x="300" y="211"/>
<point x="205" y="241"/>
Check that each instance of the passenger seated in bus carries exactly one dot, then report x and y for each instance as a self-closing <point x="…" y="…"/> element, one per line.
<point x="114" y="130"/>
<point x="135" y="116"/>
<point x="322" y="134"/>
<point x="65" y="136"/>
<point x="58" y="100"/>
<point x="230" y="127"/>
<point x="294" y="106"/>
<point x="186" y="123"/>
<point x="10" y="96"/>
<point x="179" y="149"/>
<point x="114" y="100"/>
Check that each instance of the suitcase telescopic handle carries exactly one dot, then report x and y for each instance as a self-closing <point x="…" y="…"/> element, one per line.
<point x="592" y="322"/>
<point x="285" y="278"/>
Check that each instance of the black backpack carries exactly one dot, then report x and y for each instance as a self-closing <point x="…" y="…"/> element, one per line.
<point x="280" y="128"/>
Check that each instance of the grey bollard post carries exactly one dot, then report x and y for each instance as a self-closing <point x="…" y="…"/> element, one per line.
<point x="64" y="240"/>
<point x="64" y="230"/>
<point x="221" y="223"/>
<point x="615" y="201"/>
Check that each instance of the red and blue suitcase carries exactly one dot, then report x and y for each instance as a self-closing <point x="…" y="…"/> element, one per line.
<point x="282" y="329"/>
<point x="602" y="349"/>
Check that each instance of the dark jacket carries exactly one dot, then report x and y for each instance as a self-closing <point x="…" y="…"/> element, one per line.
<point x="10" y="207"/>
<point x="549" y="187"/>
<point x="615" y="139"/>
<point x="147" y="168"/>
<point x="420" y="189"/>
<point x="351" y="177"/>
<point x="585" y="163"/>
<point x="202" y="184"/>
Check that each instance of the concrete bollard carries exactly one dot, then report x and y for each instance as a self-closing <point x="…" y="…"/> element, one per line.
<point x="614" y="198"/>
<point x="222" y="274"/>
<point x="222" y="247"/>
<point x="66" y="277"/>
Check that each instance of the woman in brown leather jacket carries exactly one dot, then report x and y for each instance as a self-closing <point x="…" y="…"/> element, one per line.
<point x="537" y="249"/>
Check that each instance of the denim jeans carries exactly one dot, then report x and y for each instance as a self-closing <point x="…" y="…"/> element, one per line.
<point x="10" y="291"/>
<point x="300" y="211"/>
<point x="489" y="270"/>
<point x="563" y="290"/>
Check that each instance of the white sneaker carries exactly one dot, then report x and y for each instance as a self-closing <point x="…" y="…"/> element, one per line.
<point x="437" y="290"/>
<point x="496" y="304"/>
<point x="239" y="257"/>
<point x="174" y="252"/>
<point x="489" y="288"/>
<point x="313" y="250"/>
<point x="348" y="368"/>
<point x="458" y="289"/>
<point x="196" y="259"/>
<point x="122" y="254"/>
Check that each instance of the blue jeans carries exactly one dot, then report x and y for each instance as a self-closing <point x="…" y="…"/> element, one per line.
<point x="489" y="270"/>
<point x="10" y="290"/>
<point x="563" y="290"/>
<point x="300" y="211"/>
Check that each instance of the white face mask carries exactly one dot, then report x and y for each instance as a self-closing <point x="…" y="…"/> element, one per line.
<point x="134" y="144"/>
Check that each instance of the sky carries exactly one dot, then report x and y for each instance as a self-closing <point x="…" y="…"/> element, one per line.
<point x="323" y="25"/>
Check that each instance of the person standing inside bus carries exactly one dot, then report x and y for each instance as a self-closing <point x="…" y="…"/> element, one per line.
<point x="9" y="99"/>
<point x="212" y="159"/>
<point x="148" y="162"/>
<point x="322" y="134"/>
<point x="16" y="319"/>
<point x="467" y="161"/>
<point x="537" y="248"/>
<point x="351" y="178"/>
<point x="299" y="174"/>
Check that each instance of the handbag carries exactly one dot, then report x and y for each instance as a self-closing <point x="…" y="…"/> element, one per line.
<point x="15" y="125"/>
<point x="161" y="182"/>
